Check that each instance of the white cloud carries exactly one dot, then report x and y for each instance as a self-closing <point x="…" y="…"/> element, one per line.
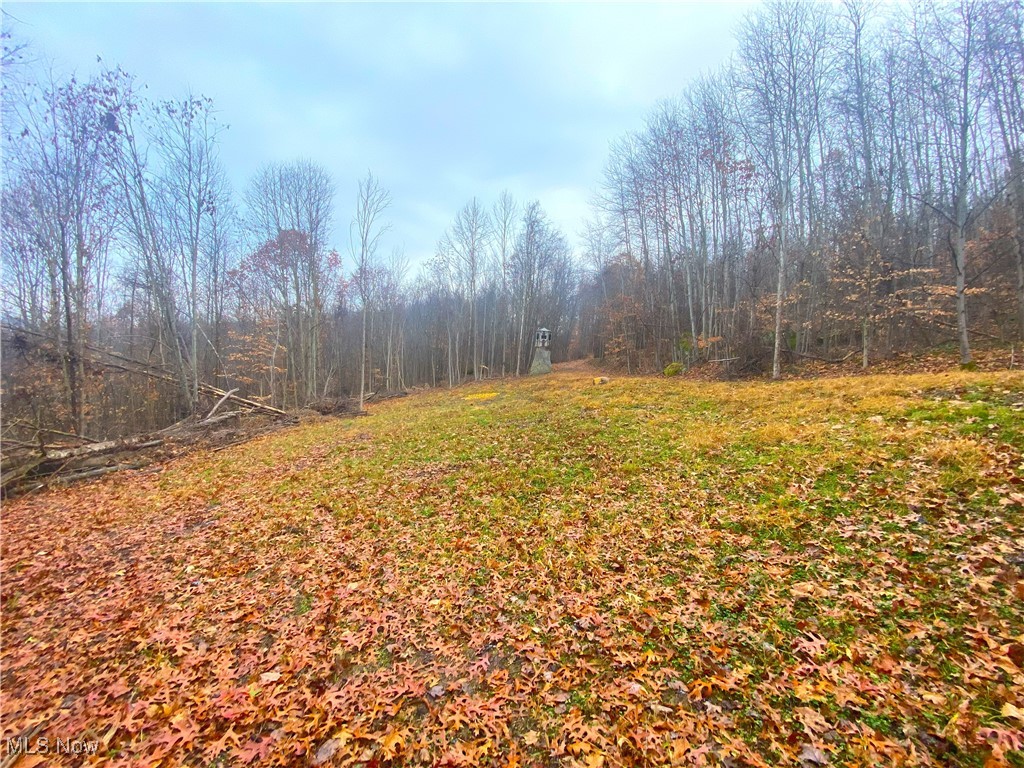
<point x="443" y="102"/>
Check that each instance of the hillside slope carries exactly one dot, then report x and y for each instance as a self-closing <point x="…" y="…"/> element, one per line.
<point x="546" y="571"/>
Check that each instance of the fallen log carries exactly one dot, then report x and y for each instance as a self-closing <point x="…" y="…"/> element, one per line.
<point x="9" y="478"/>
<point x="209" y="389"/>
<point x="43" y="464"/>
<point x="220" y="403"/>
<point x="230" y="415"/>
<point x="98" y="449"/>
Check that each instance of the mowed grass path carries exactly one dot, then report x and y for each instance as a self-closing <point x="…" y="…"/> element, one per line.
<point x="546" y="572"/>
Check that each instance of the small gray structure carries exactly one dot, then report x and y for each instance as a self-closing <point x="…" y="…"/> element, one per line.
<point x="541" y="352"/>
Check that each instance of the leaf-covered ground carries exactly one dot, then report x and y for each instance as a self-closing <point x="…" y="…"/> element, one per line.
<point x="546" y="572"/>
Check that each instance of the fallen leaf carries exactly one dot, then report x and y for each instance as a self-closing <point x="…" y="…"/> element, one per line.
<point x="812" y="720"/>
<point x="1012" y="712"/>
<point x="1016" y="654"/>
<point x="326" y="751"/>
<point x="811" y="756"/>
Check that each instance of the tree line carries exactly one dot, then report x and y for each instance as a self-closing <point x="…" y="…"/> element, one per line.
<point x="133" y="274"/>
<point x="851" y="182"/>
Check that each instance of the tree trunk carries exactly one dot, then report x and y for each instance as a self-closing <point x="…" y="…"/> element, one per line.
<point x="961" y="295"/>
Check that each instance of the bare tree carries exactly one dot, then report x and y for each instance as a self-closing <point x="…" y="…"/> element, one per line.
<point x="365" y="233"/>
<point x="298" y="197"/>
<point x="780" y="79"/>
<point x="59" y="188"/>
<point x="946" y="43"/>
<point x="504" y="214"/>
<point x="1003" y="25"/>
<point x="192" y="189"/>
<point x="140" y="219"/>
<point x="466" y="244"/>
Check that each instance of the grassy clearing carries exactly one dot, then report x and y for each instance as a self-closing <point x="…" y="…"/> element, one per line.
<point x="645" y="572"/>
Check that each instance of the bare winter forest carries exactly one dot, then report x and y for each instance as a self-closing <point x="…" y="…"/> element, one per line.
<point x="848" y="186"/>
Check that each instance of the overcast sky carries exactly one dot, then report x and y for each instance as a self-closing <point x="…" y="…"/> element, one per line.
<point x="441" y="102"/>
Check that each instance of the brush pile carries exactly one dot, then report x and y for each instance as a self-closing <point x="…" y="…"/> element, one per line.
<point x="27" y="466"/>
